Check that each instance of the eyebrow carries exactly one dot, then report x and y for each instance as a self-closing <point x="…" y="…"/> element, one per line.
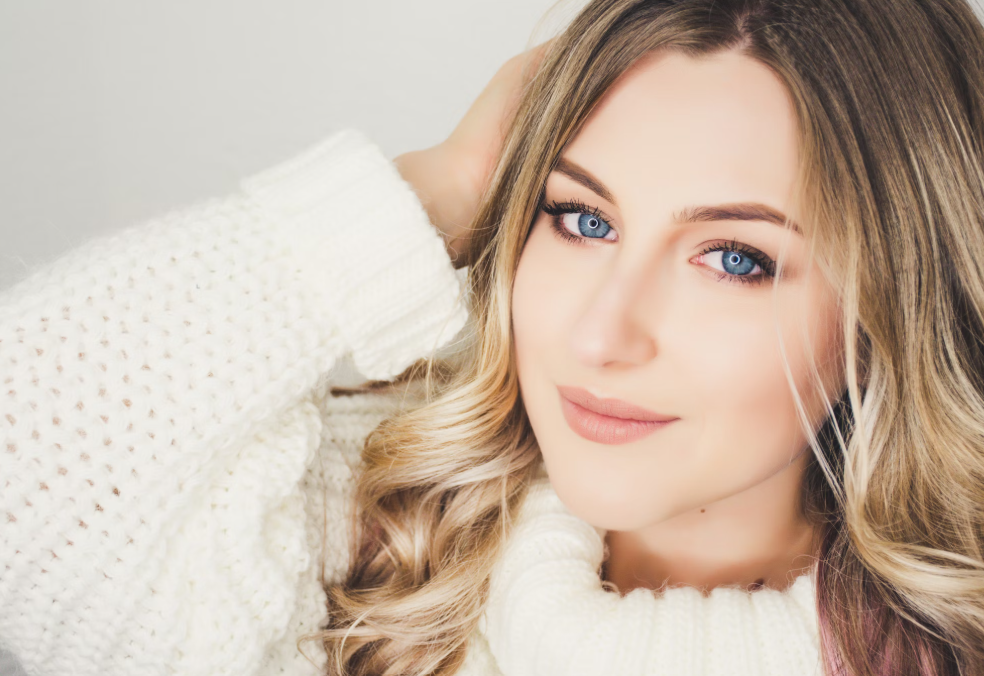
<point x="735" y="211"/>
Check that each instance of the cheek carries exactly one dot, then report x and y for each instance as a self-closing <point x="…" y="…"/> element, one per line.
<point x="736" y="351"/>
<point x="748" y="424"/>
<point x="541" y="302"/>
<point x="741" y="381"/>
<point x="812" y="336"/>
<point x="734" y="395"/>
<point x="733" y="364"/>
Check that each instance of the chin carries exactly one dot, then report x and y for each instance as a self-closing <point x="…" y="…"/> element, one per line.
<point x="606" y="508"/>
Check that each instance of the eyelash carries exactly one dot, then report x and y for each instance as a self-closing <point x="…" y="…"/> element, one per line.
<point x="765" y="263"/>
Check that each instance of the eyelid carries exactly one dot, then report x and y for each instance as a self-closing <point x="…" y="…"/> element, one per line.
<point x="579" y="206"/>
<point x="766" y="264"/>
<point x="574" y="205"/>
<point x="558" y="210"/>
<point x="763" y="259"/>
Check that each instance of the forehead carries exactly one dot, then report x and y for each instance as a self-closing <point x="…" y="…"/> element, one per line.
<point x="718" y="127"/>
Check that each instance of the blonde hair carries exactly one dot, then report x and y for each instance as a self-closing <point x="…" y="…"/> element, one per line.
<point x="889" y="96"/>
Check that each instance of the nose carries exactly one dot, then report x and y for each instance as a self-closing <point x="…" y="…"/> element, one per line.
<point x="615" y="327"/>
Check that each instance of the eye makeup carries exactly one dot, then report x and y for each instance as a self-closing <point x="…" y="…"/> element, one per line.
<point x="764" y="265"/>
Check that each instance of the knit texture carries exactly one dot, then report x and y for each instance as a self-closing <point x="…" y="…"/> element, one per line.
<point x="176" y="475"/>
<point x="549" y="615"/>
<point x="163" y="407"/>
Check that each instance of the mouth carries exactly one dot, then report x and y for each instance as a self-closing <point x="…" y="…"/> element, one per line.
<point x="608" y="421"/>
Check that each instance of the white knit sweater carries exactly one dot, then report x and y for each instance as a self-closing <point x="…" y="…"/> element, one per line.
<point x="175" y="475"/>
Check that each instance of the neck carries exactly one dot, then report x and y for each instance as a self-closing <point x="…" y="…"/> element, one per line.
<point x="752" y="539"/>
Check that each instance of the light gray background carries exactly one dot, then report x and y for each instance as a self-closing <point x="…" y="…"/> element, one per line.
<point x="115" y="111"/>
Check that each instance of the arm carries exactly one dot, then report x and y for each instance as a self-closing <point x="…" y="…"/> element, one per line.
<point x="138" y="371"/>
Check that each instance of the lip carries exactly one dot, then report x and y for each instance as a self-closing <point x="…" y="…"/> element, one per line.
<point x="613" y="408"/>
<point x="608" y="421"/>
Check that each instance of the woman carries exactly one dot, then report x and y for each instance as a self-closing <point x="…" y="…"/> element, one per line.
<point x="861" y="120"/>
<point x="759" y="391"/>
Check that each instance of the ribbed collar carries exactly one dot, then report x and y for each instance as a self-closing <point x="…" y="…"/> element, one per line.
<point x="547" y="613"/>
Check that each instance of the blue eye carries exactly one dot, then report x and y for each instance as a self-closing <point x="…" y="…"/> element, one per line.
<point x="576" y="222"/>
<point x="591" y="226"/>
<point x="739" y="263"/>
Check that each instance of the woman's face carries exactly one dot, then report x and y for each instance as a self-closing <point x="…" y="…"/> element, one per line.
<point x="657" y="291"/>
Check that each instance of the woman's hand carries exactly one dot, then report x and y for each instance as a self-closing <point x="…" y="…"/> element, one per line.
<point x="450" y="177"/>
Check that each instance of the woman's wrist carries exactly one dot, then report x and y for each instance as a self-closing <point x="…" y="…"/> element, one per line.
<point x="446" y="198"/>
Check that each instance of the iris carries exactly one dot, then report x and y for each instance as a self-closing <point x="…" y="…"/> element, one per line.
<point x="592" y="226"/>
<point x="737" y="264"/>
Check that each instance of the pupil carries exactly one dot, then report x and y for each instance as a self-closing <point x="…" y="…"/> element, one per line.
<point x="592" y="223"/>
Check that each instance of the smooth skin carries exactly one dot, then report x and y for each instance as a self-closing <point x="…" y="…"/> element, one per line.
<point x="634" y="310"/>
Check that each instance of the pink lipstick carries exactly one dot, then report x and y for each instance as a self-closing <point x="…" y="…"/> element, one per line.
<point x="608" y="421"/>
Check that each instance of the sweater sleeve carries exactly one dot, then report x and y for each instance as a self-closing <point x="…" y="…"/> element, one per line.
<point x="157" y="409"/>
